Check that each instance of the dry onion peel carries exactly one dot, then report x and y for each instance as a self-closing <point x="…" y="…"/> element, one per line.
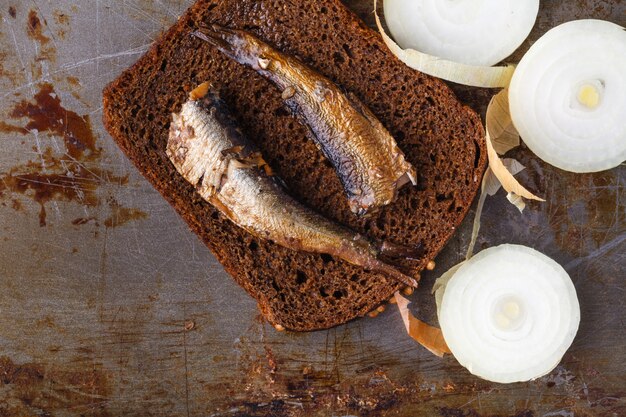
<point x="508" y="181"/>
<point x="509" y="313"/>
<point x="471" y="75"/>
<point x="428" y="336"/>
<point x="439" y="287"/>
<point x="490" y="186"/>
<point x="489" y="180"/>
<point x="517" y="201"/>
<point x="504" y="136"/>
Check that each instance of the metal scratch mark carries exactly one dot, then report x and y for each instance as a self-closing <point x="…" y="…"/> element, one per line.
<point x="559" y="413"/>
<point x="98" y="37"/>
<point x="168" y="10"/>
<point x="132" y="24"/>
<point x="96" y="59"/>
<point x="596" y="253"/>
<point x="67" y="67"/>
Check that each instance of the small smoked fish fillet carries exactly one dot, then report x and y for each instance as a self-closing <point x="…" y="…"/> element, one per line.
<point x="211" y="153"/>
<point x="367" y="159"/>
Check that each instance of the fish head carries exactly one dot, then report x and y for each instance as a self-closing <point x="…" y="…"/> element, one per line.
<point x="236" y="44"/>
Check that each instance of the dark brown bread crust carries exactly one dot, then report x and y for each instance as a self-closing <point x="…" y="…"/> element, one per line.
<point x="442" y="138"/>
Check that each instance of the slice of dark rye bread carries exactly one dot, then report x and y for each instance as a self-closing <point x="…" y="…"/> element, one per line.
<point x="442" y="138"/>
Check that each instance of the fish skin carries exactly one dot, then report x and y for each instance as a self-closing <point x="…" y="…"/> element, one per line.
<point x="211" y="153"/>
<point x="368" y="161"/>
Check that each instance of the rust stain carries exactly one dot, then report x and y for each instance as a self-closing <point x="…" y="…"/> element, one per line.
<point x="8" y="128"/>
<point x="75" y="177"/>
<point x="48" y="321"/>
<point x="457" y="412"/>
<point x="122" y="215"/>
<point x="46" y="114"/>
<point x="598" y="397"/>
<point x="83" y="220"/>
<point x="47" y="51"/>
<point x="374" y="393"/>
<point x="35" y="389"/>
<point x="63" y="23"/>
<point x="271" y="360"/>
<point x="3" y="72"/>
<point x="4" y="53"/>
<point x="74" y="85"/>
<point x="85" y="350"/>
<point x="34" y="28"/>
<point x="269" y="381"/>
<point x="36" y="70"/>
<point x="61" y="18"/>
<point x="73" y="81"/>
<point x="79" y="185"/>
<point x="12" y="12"/>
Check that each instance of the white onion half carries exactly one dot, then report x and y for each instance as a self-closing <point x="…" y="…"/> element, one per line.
<point x="473" y="32"/>
<point x="568" y="96"/>
<point x="509" y="314"/>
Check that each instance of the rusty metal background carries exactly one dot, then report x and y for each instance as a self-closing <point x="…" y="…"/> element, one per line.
<point x="110" y="306"/>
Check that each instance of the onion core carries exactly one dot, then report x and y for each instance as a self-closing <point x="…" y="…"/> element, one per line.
<point x="509" y="314"/>
<point x="568" y="96"/>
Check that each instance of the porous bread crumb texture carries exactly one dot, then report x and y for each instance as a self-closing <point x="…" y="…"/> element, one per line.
<point x="442" y="138"/>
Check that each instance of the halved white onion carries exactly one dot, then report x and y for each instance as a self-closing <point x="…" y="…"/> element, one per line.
<point x="473" y="32"/>
<point x="568" y="96"/>
<point x="509" y="314"/>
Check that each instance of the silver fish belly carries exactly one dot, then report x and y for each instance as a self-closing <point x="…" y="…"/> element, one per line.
<point x="227" y="170"/>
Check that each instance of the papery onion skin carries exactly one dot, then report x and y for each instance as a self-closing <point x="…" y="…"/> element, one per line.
<point x="473" y="32"/>
<point x="498" y="122"/>
<point x="568" y="96"/>
<point x="543" y="317"/>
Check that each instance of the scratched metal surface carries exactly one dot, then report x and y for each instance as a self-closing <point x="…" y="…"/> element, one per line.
<point x="110" y="306"/>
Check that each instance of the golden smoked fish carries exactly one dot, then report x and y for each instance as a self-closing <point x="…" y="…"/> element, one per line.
<point x="367" y="159"/>
<point x="211" y="153"/>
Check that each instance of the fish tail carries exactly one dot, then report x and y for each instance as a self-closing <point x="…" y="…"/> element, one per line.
<point x="394" y="273"/>
<point x="235" y="44"/>
<point x="394" y="250"/>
